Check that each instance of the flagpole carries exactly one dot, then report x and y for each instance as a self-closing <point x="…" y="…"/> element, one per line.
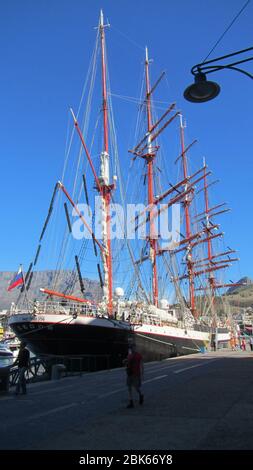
<point x="25" y="291"/>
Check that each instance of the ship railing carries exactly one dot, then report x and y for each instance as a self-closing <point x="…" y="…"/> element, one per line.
<point x="60" y="308"/>
<point x="150" y="319"/>
<point x="146" y="318"/>
<point x="36" y="371"/>
<point x="40" y="368"/>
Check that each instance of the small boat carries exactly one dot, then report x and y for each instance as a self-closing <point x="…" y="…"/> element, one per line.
<point x="5" y="351"/>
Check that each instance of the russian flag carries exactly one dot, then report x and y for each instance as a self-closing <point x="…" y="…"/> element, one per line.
<point x="17" y="280"/>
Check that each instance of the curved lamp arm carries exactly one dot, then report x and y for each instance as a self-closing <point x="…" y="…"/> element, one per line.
<point x="211" y="69"/>
<point x="200" y="67"/>
<point x="203" y="90"/>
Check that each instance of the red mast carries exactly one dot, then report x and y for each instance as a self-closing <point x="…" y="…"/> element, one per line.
<point x="147" y="149"/>
<point x="104" y="179"/>
<point x="103" y="185"/>
<point x="215" y="261"/>
<point x="209" y="242"/>
<point x="104" y="89"/>
<point x="149" y="160"/>
<point x="187" y="202"/>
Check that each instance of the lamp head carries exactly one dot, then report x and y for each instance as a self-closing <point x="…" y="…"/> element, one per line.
<point x="202" y="90"/>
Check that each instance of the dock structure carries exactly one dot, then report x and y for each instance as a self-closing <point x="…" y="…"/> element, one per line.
<point x="197" y="402"/>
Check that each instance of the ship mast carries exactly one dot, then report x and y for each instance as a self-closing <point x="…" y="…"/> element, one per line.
<point x="147" y="149"/>
<point x="211" y="278"/>
<point x="149" y="157"/>
<point x="104" y="179"/>
<point x="186" y="204"/>
<point x="215" y="261"/>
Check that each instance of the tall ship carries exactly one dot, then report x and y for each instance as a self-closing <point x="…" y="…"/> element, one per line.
<point x="148" y="239"/>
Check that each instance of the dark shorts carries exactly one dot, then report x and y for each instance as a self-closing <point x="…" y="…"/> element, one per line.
<point x="133" y="381"/>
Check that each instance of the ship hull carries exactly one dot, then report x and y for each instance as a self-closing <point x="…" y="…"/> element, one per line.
<point x="101" y="339"/>
<point x="104" y="339"/>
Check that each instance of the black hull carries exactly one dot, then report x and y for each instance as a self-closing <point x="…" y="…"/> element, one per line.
<point x="109" y="346"/>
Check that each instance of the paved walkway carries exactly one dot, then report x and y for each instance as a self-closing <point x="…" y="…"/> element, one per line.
<point x="202" y="401"/>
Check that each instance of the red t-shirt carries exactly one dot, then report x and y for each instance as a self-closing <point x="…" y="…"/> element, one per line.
<point x="134" y="364"/>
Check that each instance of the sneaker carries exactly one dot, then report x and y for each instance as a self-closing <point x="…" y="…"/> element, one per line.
<point x="130" y="404"/>
<point x="141" y="399"/>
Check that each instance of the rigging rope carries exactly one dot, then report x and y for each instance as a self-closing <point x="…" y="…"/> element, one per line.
<point x="128" y="38"/>
<point x="227" y="29"/>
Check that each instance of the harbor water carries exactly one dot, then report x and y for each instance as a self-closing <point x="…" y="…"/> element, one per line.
<point x="6" y="361"/>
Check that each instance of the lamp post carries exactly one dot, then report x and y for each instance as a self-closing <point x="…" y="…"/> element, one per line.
<point x="204" y="90"/>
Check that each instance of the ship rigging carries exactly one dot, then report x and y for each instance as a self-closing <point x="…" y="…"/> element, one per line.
<point x="78" y="323"/>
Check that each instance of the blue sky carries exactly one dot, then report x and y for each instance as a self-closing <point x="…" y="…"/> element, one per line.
<point x="45" y="49"/>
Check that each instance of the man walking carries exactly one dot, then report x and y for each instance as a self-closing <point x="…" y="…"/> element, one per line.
<point x="135" y="371"/>
<point x="23" y="362"/>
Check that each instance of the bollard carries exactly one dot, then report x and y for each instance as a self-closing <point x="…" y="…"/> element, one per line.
<point x="57" y="371"/>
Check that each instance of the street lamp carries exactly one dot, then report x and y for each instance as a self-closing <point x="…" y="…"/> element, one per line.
<point x="204" y="90"/>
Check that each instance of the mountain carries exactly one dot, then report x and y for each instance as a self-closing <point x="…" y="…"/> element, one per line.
<point x="44" y="279"/>
<point x="237" y="297"/>
<point x="241" y="296"/>
<point x="245" y="281"/>
<point x="234" y="300"/>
